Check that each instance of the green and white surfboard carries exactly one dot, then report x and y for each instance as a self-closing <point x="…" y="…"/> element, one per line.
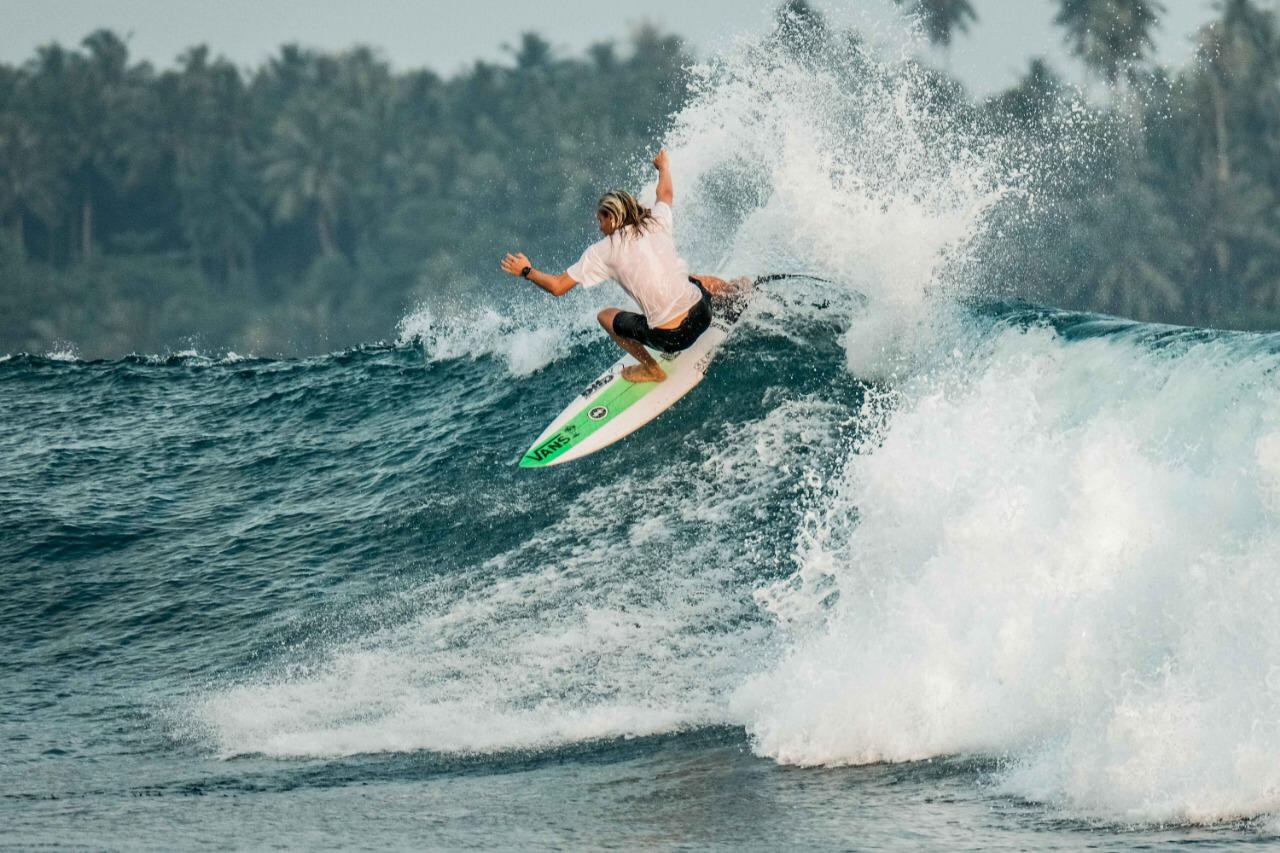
<point x="611" y="408"/>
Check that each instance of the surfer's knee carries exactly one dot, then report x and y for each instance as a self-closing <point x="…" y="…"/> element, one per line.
<point x="605" y="318"/>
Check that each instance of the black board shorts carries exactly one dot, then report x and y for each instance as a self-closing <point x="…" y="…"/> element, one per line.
<point x="628" y="324"/>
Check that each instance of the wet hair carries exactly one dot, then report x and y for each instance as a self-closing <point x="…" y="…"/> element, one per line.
<point x="622" y="207"/>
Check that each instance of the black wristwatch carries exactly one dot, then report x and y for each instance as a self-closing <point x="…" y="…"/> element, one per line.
<point x="524" y="273"/>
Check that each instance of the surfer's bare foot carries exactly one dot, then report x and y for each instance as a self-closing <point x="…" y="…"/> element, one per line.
<point x="642" y="373"/>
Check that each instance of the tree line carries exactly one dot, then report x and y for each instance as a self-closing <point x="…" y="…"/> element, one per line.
<point x="302" y="205"/>
<point x="307" y="203"/>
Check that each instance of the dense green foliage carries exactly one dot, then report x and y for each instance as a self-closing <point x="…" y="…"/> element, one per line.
<point x="309" y="203"/>
<point x="305" y="205"/>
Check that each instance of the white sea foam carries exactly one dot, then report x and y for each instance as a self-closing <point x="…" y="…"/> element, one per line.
<point x="593" y="645"/>
<point x="614" y="623"/>
<point x="484" y="332"/>
<point x="63" y="351"/>
<point x="1064" y="555"/>
<point x="526" y="334"/>
<point x="838" y="169"/>
<point x="1061" y="554"/>
<point x="1055" y="553"/>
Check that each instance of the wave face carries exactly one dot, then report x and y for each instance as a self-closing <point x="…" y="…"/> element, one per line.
<point x="912" y="527"/>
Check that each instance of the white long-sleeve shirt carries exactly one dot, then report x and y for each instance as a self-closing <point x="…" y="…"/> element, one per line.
<point x="647" y="266"/>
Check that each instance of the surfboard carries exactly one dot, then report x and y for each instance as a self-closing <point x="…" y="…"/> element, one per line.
<point x="611" y="408"/>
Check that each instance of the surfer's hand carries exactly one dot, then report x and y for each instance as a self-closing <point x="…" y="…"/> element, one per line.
<point x="513" y="264"/>
<point x="660" y="161"/>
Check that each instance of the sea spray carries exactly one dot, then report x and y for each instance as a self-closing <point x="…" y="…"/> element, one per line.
<point x="1042" y="550"/>
<point x="1028" y="541"/>
<point x="837" y="168"/>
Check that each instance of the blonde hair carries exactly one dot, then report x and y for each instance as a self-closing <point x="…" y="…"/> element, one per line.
<point x="623" y="208"/>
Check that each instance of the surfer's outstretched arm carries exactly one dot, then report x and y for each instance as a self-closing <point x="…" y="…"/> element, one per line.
<point x="666" y="189"/>
<point x="556" y="285"/>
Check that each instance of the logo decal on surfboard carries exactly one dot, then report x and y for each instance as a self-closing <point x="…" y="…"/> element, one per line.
<point x="600" y="382"/>
<point x="598" y="413"/>
<point x="557" y="442"/>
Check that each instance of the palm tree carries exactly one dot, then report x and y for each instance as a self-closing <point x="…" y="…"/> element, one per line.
<point x="604" y="56"/>
<point x="940" y="18"/>
<point x="207" y="105"/>
<point x="1032" y="99"/>
<point x="1240" y="67"/>
<point x="1238" y="79"/>
<point x="49" y="102"/>
<point x="1136" y="252"/>
<point x="533" y="52"/>
<point x="88" y="113"/>
<point x="307" y="160"/>
<point x="29" y="183"/>
<point x="308" y="148"/>
<point x="103" y="92"/>
<point x="1111" y="36"/>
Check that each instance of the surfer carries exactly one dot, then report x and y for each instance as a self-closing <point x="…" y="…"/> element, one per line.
<point x="639" y="252"/>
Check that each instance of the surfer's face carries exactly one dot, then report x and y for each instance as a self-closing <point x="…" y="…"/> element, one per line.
<point x="607" y="225"/>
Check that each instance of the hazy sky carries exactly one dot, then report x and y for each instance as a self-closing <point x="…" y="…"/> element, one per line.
<point x="447" y="34"/>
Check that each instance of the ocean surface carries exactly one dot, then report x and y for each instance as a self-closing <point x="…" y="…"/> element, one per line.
<point x="913" y="568"/>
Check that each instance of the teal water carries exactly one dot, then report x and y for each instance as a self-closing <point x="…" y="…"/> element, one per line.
<point x="314" y="603"/>
<point x="915" y="570"/>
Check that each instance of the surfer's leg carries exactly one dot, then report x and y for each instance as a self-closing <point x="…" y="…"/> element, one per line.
<point x="713" y="285"/>
<point x="648" y="370"/>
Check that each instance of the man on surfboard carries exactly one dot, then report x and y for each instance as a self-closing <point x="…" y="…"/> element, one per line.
<point x="639" y="252"/>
